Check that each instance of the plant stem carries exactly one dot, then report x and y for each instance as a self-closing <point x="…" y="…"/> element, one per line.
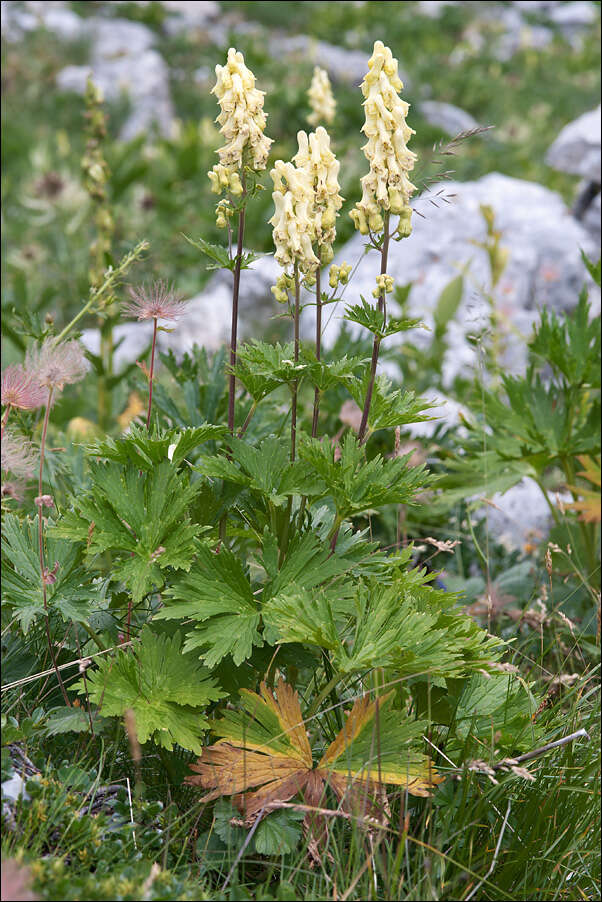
<point x="151" y="376"/>
<point x="384" y="255"/>
<point x="248" y="419"/>
<point x="5" y="417"/>
<point x="234" y="332"/>
<point x="104" y="390"/>
<point x="314" y="423"/>
<point x="41" y="550"/>
<point x="110" y="279"/>
<point x="296" y="359"/>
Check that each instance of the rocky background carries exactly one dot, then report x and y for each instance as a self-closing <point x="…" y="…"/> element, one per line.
<point x="527" y="70"/>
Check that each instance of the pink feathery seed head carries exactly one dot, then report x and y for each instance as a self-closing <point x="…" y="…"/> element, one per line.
<point x="13" y="488"/>
<point x="21" y="389"/>
<point x="156" y="301"/>
<point x="18" y="457"/>
<point x="56" y="364"/>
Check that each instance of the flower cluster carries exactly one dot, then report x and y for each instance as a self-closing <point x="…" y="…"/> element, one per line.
<point x="384" y="285"/>
<point x="386" y="188"/>
<point x="242" y="118"/>
<point x="321" y="100"/>
<point x="17" y="456"/>
<point x="318" y="160"/>
<point x="21" y="389"/>
<point x="293" y="220"/>
<point x="225" y="178"/>
<point x="56" y="364"/>
<point x="339" y="274"/>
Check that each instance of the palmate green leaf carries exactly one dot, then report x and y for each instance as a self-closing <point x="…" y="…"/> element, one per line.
<point x="140" y="517"/>
<point x="266" y="469"/>
<point x="478" y="475"/>
<point x="390" y="407"/>
<point x="326" y="374"/>
<point x="498" y="705"/>
<point x="357" y="485"/>
<point x="73" y="596"/>
<point x="220" y="256"/>
<point x="162" y="686"/>
<point x="309" y="562"/>
<point x="147" y="449"/>
<point x="279" y="834"/>
<point x="218" y="595"/>
<point x="408" y="626"/>
<point x="570" y="345"/>
<point x="371" y="318"/>
<point x="274" y="362"/>
<point x="297" y="615"/>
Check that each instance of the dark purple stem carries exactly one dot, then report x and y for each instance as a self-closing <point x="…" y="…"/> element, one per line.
<point x="384" y="254"/>
<point x="314" y="423"/>
<point x="296" y="359"/>
<point x="234" y="333"/>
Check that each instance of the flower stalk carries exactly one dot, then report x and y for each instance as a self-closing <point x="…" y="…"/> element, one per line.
<point x="44" y="575"/>
<point x="295" y="388"/>
<point x="316" y="413"/>
<point x="384" y="256"/>
<point x="234" y="328"/>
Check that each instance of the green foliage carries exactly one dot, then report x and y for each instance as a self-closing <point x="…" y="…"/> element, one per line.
<point x="218" y="595"/>
<point x="162" y="686"/>
<point x="357" y="485"/>
<point x="140" y="518"/>
<point x="145" y="450"/>
<point x="73" y="595"/>
<point x="390" y="407"/>
<point x="376" y="321"/>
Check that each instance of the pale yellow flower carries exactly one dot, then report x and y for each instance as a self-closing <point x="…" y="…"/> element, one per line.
<point x="321" y="99"/>
<point x="293" y="222"/>
<point x="386" y="188"/>
<point x="316" y="157"/>
<point x="242" y="118"/>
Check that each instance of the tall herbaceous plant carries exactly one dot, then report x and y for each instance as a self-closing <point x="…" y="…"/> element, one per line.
<point x="304" y="648"/>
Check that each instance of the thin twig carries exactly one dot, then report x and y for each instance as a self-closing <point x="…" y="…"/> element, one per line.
<point x="241" y="851"/>
<point x="44" y="673"/>
<point x="495" y="856"/>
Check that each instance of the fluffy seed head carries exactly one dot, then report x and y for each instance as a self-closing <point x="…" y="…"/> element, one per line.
<point x="242" y="118"/>
<point x="321" y="100"/>
<point x="387" y="187"/>
<point x="56" y="364"/>
<point x="156" y="301"/>
<point x="21" y="389"/>
<point x="17" y="456"/>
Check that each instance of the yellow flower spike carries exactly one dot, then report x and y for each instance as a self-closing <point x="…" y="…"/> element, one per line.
<point x="242" y="118"/>
<point x="293" y="227"/>
<point x="386" y="188"/>
<point x="321" y="100"/>
<point x="316" y="157"/>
